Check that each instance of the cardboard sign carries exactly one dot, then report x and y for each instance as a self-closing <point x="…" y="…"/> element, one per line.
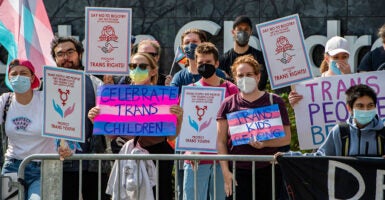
<point x="64" y="105"/>
<point x="199" y="128"/>
<point x="323" y="104"/>
<point x="108" y="40"/>
<point x="259" y="124"/>
<point x="137" y="110"/>
<point x="283" y="47"/>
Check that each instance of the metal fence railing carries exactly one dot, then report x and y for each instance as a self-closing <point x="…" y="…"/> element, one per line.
<point x="51" y="169"/>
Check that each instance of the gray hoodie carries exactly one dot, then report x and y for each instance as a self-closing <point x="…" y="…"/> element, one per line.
<point x="363" y="142"/>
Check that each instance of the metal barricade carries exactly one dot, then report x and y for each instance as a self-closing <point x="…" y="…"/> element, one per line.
<point x="52" y="169"/>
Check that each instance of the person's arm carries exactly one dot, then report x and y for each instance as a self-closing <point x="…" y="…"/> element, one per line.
<point x="222" y="126"/>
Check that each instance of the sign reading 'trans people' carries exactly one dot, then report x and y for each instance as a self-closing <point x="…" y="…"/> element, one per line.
<point x="323" y="104"/>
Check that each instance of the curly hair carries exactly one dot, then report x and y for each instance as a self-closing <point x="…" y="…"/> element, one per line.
<point x="207" y="48"/>
<point x="249" y="59"/>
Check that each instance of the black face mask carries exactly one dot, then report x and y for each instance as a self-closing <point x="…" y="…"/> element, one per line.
<point x="206" y="70"/>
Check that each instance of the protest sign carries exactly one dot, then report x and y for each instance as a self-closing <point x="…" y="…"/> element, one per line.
<point x="333" y="177"/>
<point x="64" y="103"/>
<point x="283" y="47"/>
<point x="199" y="128"/>
<point x="323" y="104"/>
<point x="108" y="40"/>
<point x="263" y="123"/>
<point x="137" y="110"/>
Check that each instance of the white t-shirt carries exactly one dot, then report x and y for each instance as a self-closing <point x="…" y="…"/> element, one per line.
<point x="23" y="127"/>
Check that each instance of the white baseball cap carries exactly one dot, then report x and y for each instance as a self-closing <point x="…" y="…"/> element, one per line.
<point x="336" y="45"/>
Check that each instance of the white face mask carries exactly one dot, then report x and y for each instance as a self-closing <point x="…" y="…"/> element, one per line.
<point x="247" y="84"/>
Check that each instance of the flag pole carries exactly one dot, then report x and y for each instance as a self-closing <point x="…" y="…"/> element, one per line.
<point x="173" y="62"/>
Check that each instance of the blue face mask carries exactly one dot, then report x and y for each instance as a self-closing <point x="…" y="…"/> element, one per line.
<point x="363" y="117"/>
<point x="20" y="84"/>
<point x="189" y="50"/>
<point x="334" y="68"/>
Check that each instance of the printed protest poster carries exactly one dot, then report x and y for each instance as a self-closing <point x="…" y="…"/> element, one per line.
<point x="263" y="123"/>
<point x="136" y="110"/>
<point x="323" y="104"/>
<point x="108" y="40"/>
<point x="199" y="129"/>
<point x="64" y="105"/>
<point x="283" y="47"/>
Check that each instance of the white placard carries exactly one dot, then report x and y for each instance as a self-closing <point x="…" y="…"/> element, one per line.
<point x="108" y="40"/>
<point x="199" y="128"/>
<point x="64" y="105"/>
<point x="283" y="47"/>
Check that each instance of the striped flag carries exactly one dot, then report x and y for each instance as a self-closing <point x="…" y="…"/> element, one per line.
<point x="26" y="32"/>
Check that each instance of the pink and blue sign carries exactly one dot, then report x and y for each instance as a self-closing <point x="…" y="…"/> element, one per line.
<point x="259" y="124"/>
<point x="136" y="110"/>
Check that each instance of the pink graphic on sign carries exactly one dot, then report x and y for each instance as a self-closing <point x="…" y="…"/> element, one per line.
<point x="108" y="34"/>
<point x="63" y="95"/>
<point x="283" y="45"/>
<point x="200" y="112"/>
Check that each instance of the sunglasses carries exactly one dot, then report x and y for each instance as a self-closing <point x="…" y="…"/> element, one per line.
<point x="142" y="66"/>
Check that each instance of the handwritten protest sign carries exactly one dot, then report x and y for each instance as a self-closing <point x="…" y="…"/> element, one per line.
<point x="283" y="47"/>
<point x="63" y="103"/>
<point x="260" y="124"/>
<point x="199" y="128"/>
<point x="138" y="110"/>
<point x="108" y="40"/>
<point x="323" y="104"/>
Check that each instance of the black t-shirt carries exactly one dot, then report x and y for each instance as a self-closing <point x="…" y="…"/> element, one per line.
<point x="229" y="57"/>
<point x="372" y="60"/>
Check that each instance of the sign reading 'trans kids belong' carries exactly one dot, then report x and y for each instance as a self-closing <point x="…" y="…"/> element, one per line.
<point x="137" y="110"/>
<point x="63" y="104"/>
<point x="283" y="47"/>
<point x="259" y="124"/>
<point x="323" y="104"/>
<point x="199" y="128"/>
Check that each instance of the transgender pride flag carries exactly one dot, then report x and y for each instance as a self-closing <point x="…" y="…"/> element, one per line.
<point x="26" y="32"/>
<point x="263" y="123"/>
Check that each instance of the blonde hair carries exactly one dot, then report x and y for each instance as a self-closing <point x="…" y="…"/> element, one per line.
<point x="153" y="43"/>
<point x="153" y="66"/>
<point x="381" y="33"/>
<point x="249" y="59"/>
<point x="324" y="66"/>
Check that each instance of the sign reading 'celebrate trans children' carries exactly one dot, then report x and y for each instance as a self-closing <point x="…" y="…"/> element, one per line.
<point x="323" y="104"/>
<point x="136" y="110"/>
<point x="258" y="124"/>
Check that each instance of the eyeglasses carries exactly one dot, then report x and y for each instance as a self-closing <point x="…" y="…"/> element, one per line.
<point x="67" y="53"/>
<point x="142" y="66"/>
<point x="153" y="54"/>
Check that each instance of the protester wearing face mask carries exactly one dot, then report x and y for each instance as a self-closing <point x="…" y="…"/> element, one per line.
<point x="246" y="71"/>
<point x="206" y="57"/>
<point x="363" y="128"/>
<point x="23" y="125"/>
<point x="144" y="71"/>
<point x="335" y="63"/>
<point x="241" y="32"/>
<point x="191" y="38"/>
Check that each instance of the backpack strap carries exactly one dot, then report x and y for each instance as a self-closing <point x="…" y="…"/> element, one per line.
<point x="380" y="135"/>
<point x="271" y="98"/>
<point x="6" y="106"/>
<point x="345" y="138"/>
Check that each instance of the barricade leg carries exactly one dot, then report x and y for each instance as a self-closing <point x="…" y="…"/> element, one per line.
<point x="51" y="179"/>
